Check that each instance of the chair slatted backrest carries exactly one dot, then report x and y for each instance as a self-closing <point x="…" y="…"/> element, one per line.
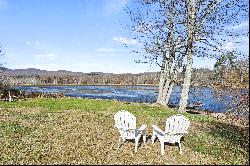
<point x="176" y="124"/>
<point x="125" y="120"/>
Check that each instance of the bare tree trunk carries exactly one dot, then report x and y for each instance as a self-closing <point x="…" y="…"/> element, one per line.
<point x="186" y="84"/>
<point x="168" y="81"/>
<point x="188" y="73"/>
<point x="171" y="86"/>
<point x="161" y="85"/>
<point x="165" y="92"/>
<point x="162" y="76"/>
<point x="170" y="91"/>
<point x="165" y="87"/>
<point x="169" y="66"/>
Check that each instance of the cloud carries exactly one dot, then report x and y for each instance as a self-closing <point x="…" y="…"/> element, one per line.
<point x="241" y="44"/>
<point x="85" y="64"/>
<point x="49" y="67"/>
<point x="77" y="67"/>
<point x="28" y="43"/>
<point x="36" y="43"/>
<point x="228" y="46"/>
<point x="106" y="50"/>
<point x="204" y="62"/>
<point x="3" y="4"/>
<point x="44" y="56"/>
<point x="125" y="40"/>
<point x="76" y="41"/>
<point x="240" y="26"/>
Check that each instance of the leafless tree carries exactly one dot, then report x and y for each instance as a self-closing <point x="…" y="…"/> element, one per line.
<point x="159" y="29"/>
<point x="208" y="22"/>
<point x="169" y="31"/>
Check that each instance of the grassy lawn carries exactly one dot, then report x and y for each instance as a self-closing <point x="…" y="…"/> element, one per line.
<point x="81" y="131"/>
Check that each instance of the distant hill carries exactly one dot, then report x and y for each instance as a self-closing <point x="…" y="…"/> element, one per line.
<point x="34" y="71"/>
<point x="200" y="77"/>
<point x="44" y="77"/>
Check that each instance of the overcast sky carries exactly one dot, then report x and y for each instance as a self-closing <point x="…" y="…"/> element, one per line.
<point x="75" y="35"/>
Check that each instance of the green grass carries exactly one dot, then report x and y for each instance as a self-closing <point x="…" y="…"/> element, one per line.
<point x="80" y="131"/>
<point x="57" y="105"/>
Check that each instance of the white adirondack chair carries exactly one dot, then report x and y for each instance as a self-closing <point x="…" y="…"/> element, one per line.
<point x="176" y="127"/>
<point x="125" y="122"/>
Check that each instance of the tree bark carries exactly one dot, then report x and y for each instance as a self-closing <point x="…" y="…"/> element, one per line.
<point x="162" y="75"/>
<point x="186" y="84"/>
<point x="165" y="92"/>
<point x="170" y="91"/>
<point x="169" y="64"/>
<point x="188" y="73"/>
<point x="161" y="85"/>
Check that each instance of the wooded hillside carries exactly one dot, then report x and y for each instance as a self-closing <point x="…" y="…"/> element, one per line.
<point x="201" y="77"/>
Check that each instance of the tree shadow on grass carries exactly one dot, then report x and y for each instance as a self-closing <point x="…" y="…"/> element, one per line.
<point x="234" y="134"/>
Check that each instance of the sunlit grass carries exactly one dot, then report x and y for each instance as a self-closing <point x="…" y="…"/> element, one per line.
<point x="81" y="131"/>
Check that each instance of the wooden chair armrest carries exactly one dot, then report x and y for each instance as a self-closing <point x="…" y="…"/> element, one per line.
<point x="157" y="129"/>
<point x="143" y="127"/>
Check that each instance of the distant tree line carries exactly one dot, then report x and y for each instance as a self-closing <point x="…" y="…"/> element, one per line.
<point x="236" y="76"/>
<point x="84" y="79"/>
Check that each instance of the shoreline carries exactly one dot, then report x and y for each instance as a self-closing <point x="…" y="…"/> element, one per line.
<point x="191" y="108"/>
<point x="88" y="85"/>
<point x="153" y="85"/>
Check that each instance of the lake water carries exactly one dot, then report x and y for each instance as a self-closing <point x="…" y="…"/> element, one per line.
<point x="143" y="94"/>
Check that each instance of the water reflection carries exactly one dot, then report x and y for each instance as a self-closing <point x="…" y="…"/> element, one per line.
<point x="147" y="94"/>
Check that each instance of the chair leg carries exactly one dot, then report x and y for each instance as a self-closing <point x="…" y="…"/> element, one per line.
<point x="136" y="144"/>
<point x="144" y="139"/>
<point x="179" y="144"/>
<point x="119" y="141"/>
<point x="162" y="147"/>
<point x="144" y="136"/>
<point x="153" y="137"/>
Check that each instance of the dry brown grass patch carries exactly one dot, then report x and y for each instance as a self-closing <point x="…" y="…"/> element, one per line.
<point x="82" y="137"/>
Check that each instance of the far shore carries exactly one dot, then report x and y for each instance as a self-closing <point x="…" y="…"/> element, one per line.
<point x="87" y="85"/>
<point x="153" y="85"/>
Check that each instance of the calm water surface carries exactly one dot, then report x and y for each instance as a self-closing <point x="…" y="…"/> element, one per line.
<point x="147" y="94"/>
